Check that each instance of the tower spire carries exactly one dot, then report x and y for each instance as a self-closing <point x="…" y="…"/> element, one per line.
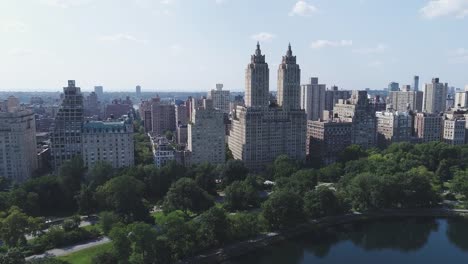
<point x="289" y="53"/>
<point x="258" y="51"/>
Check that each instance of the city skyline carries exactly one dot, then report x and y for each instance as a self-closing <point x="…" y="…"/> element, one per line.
<point x="354" y="45"/>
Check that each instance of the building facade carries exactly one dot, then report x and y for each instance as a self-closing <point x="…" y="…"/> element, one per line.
<point x="333" y="95"/>
<point x="435" y="96"/>
<point x="393" y="127"/>
<point x="313" y="99"/>
<point x="259" y="133"/>
<point x="109" y="141"/>
<point x="359" y="111"/>
<point x="428" y="127"/>
<point x="454" y="132"/>
<point x="18" y="156"/>
<point x="327" y="139"/>
<point x="221" y="98"/>
<point x="405" y="100"/>
<point x="66" y="130"/>
<point x="163" y="152"/>
<point x="206" y="135"/>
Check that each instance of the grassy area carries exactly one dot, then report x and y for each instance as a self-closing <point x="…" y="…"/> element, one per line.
<point x="86" y="255"/>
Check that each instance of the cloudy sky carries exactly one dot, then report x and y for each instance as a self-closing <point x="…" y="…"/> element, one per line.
<point x="189" y="45"/>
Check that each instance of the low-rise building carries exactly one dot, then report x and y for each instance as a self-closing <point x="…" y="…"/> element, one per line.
<point x="163" y="152"/>
<point x="393" y="127"/>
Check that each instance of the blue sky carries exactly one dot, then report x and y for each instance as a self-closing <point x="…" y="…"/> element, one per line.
<point x="189" y="45"/>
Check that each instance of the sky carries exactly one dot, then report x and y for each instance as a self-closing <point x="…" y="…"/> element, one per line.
<point x="190" y="45"/>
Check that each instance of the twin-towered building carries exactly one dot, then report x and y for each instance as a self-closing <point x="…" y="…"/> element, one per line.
<point x="261" y="130"/>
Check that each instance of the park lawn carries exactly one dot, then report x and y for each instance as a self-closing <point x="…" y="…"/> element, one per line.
<point x="86" y="255"/>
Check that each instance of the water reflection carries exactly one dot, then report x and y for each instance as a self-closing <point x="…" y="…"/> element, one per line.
<point x="399" y="239"/>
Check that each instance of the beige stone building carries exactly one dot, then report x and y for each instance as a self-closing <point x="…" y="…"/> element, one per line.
<point x="435" y="97"/>
<point x="18" y="156"/>
<point x="259" y="132"/>
<point x="393" y="127"/>
<point x="206" y="134"/>
<point x="313" y="99"/>
<point x="221" y="98"/>
<point x="405" y="100"/>
<point x="110" y="141"/>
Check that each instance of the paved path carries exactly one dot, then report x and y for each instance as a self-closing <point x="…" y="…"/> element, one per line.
<point x="57" y="252"/>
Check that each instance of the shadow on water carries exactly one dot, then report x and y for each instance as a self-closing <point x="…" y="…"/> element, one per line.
<point x="457" y="232"/>
<point x="400" y="235"/>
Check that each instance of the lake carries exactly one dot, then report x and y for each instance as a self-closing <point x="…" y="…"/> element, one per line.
<point x="409" y="240"/>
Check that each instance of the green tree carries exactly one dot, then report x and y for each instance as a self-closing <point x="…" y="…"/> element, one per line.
<point x="15" y="226"/>
<point x="300" y="182"/>
<point x="87" y="203"/>
<point x="71" y="224"/>
<point x="187" y="196"/>
<point x="322" y="202"/>
<point x="105" y="258"/>
<point x="283" y="209"/>
<point x="241" y="196"/>
<point x="12" y="256"/>
<point x="243" y="226"/>
<point x="459" y="183"/>
<point x="72" y="173"/>
<point x="284" y="167"/>
<point x="213" y="227"/>
<point x="107" y="220"/>
<point x="353" y="152"/>
<point x="121" y="245"/>
<point x="233" y="170"/>
<point x="100" y="173"/>
<point x="124" y="195"/>
<point x="180" y="235"/>
<point x="205" y="176"/>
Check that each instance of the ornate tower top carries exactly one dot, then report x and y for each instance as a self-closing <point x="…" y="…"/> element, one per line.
<point x="258" y="57"/>
<point x="289" y="58"/>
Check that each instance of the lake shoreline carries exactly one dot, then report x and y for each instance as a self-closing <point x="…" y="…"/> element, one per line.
<point x="224" y="254"/>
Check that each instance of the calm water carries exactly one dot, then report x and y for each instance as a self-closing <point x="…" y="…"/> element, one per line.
<point x="392" y="241"/>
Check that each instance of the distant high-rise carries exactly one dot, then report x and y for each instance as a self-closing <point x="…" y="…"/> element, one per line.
<point x="406" y="100"/>
<point x="358" y="111"/>
<point x="66" y="130"/>
<point x="313" y="99"/>
<point x="138" y="90"/>
<point x="333" y="95"/>
<point x="99" y="90"/>
<point x="163" y="117"/>
<point x="257" y="81"/>
<point x="393" y="86"/>
<point x="435" y="96"/>
<point x="416" y="83"/>
<point x="92" y="106"/>
<point x="220" y="98"/>
<point x="18" y="158"/>
<point x="289" y="82"/>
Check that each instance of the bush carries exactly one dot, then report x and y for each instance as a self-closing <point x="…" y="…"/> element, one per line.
<point x="243" y="226"/>
<point x="107" y="220"/>
<point x="57" y="237"/>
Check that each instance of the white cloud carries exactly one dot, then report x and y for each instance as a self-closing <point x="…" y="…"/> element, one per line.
<point x="13" y="27"/>
<point x="302" y="8"/>
<point x="440" y="8"/>
<point x="121" y="37"/>
<point x="263" y="36"/>
<point x="322" y="43"/>
<point x="20" y="52"/>
<point x="66" y="3"/>
<point x="381" y="48"/>
<point x="167" y="2"/>
<point x="220" y="2"/>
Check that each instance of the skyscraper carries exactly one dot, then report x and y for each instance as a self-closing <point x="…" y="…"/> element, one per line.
<point x="257" y="81"/>
<point x="259" y="134"/>
<point x="138" y="90"/>
<point x="416" y="83"/>
<point x="66" y="130"/>
<point x="435" y="96"/>
<point x="99" y="90"/>
<point x="313" y="99"/>
<point x="333" y="95"/>
<point x="289" y="82"/>
<point x="393" y="86"/>
<point x="406" y="100"/>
